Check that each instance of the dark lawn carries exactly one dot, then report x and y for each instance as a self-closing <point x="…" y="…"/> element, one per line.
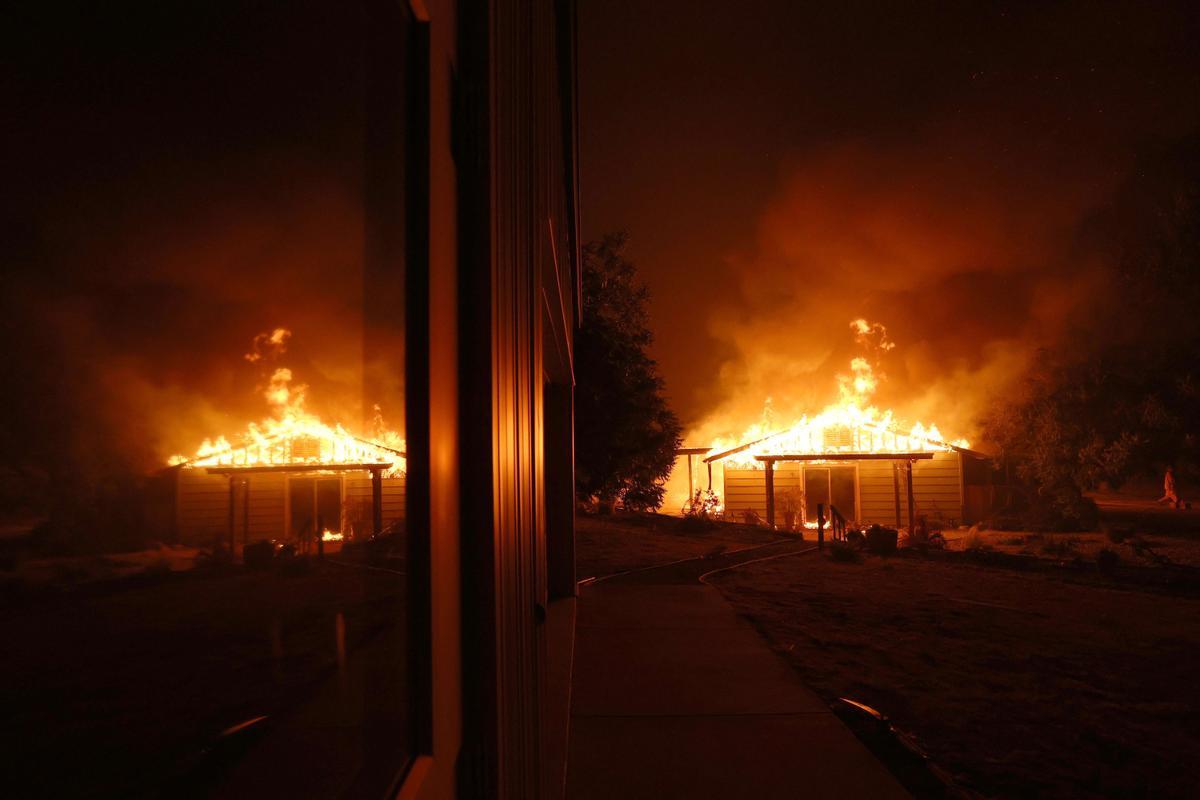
<point x="1023" y="685"/>
<point x="605" y="545"/>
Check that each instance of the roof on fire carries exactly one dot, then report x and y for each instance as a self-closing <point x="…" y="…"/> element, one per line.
<point x="724" y="454"/>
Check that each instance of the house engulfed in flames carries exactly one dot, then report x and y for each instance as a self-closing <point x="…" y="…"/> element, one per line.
<point x="291" y="478"/>
<point x="851" y="457"/>
<point x="867" y="471"/>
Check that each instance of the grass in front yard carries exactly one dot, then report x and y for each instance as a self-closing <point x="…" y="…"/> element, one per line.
<point x="1022" y="685"/>
<point x="605" y="545"/>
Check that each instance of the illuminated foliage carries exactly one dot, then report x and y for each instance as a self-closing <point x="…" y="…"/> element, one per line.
<point x="1119" y="399"/>
<point x="625" y="433"/>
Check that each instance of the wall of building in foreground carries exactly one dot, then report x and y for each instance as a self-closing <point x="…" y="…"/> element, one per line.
<point x="937" y="489"/>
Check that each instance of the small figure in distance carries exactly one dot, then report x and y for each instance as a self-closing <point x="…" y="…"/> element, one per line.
<point x="1170" y="496"/>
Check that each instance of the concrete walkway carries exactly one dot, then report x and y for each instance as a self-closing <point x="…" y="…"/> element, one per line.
<point x="674" y="695"/>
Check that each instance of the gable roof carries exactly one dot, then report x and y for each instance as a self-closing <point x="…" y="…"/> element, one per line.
<point x="871" y="430"/>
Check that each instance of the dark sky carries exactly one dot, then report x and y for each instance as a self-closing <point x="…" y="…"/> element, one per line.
<point x="179" y="178"/>
<point x="784" y="167"/>
<point x="182" y="176"/>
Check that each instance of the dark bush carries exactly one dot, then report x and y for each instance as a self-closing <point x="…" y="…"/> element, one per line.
<point x="259" y="554"/>
<point x="696" y="524"/>
<point x="1107" y="560"/>
<point x="1118" y="535"/>
<point x="880" y="540"/>
<point x="701" y="511"/>
<point x="1059" y="547"/>
<point x="843" y="552"/>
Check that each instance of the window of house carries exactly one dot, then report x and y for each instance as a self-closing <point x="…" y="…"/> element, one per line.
<point x="213" y="558"/>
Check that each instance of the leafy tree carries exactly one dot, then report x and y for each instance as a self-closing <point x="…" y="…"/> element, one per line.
<point x="625" y="433"/>
<point x="1122" y="396"/>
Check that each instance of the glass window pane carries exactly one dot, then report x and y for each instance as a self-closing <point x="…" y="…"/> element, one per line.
<point x="205" y="560"/>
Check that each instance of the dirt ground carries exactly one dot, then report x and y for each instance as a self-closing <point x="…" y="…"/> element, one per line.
<point x="1140" y="531"/>
<point x="605" y="545"/>
<point x="1021" y="685"/>
<point x="1054" y="682"/>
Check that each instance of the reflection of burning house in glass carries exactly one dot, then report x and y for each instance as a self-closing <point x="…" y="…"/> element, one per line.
<point x="289" y="488"/>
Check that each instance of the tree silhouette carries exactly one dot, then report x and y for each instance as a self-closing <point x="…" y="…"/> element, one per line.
<point x="1120" y="397"/>
<point x="625" y="433"/>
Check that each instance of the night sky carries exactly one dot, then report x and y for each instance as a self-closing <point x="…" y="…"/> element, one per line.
<point x="182" y="178"/>
<point x="936" y="167"/>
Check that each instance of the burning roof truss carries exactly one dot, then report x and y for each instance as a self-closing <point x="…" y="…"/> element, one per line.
<point x="334" y="450"/>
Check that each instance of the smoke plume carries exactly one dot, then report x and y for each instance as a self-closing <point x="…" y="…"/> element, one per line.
<point x="930" y="272"/>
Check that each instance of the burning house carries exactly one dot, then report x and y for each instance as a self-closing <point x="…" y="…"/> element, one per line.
<point x="866" y="470"/>
<point x="851" y="457"/>
<point x="288" y="489"/>
<point x="288" y="478"/>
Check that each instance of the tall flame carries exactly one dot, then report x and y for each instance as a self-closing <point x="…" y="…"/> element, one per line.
<point x="851" y="425"/>
<point x="292" y="435"/>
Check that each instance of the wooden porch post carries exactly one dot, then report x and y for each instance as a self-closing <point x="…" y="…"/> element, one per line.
<point x="769" y="466"/>
<point x="376" y="501"/>
<point x="896" y="490"/>
<point x="232" y="512"/>
<point x="245" y="510"/>
<point x="911" y="509"/>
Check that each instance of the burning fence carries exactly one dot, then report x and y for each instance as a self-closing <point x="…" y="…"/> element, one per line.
<point x="289" y="477"/>
<point x="851" y="456"/>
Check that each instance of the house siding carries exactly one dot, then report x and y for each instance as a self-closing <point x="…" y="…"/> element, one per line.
<point x="202" y="506"/>
<point x="746" y="489"/>
<point x="937" y="489"/>
<point x="267" y="510"/>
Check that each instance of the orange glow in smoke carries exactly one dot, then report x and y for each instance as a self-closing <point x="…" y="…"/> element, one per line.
<point x="851" y="425"/>
<point x="294" y="436"/>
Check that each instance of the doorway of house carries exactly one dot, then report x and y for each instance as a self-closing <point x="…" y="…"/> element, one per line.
<point x="830" y="485"/>
<point x="314" y="503"/>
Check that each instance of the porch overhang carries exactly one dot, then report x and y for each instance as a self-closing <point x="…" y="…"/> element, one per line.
<point x="771" y="459"/>
<point x="250" y="469"/>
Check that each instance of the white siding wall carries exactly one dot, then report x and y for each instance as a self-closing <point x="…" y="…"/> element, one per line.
<point x="268" y="505"/>
<point x="356" y="497"/>
<point x="746" y="490"/>
<point x="877" y="493"/>
<point x="202" y="505"/>
<point x="937" y="489"/>
<point x="937" y="486"/>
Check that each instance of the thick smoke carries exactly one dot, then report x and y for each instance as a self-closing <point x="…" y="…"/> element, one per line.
<point x="969" y="265"/>
<point x="180" y="186"/>
<point x="153" y="327"/>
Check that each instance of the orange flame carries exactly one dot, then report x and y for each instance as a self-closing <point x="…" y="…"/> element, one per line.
<point x="852" y="425"/>
<point x="292" y="435"/>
